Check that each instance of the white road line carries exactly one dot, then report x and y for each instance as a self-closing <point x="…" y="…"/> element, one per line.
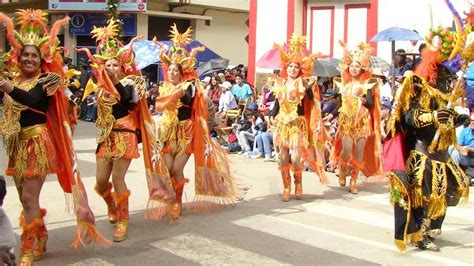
<point x="463" y="211"/>
<point x="450" y="233"/>
<point x="358" y="215"/>
<point x="357" y="247"/>
<point x="92" y="261"/>
<point x="211" y="252"/>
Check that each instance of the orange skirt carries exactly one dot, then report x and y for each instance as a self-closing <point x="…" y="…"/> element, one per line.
<point x="293" y="135"/>
<point x="355" y="126"/>
<point x="180" y="138"/>
<point x="35" y="156"/>
<point x="122" y="141"/>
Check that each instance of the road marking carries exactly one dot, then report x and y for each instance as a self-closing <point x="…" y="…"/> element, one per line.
<point x="450" y="233"/>
<point x="463" y="211"/>
<point x="358" y="215"/>
<point x="211" y="252"/>
<point x="357" y="247"/>
<point x="92" y="261"/>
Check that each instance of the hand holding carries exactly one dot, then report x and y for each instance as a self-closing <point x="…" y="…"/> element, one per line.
<point x="444" y="116"/>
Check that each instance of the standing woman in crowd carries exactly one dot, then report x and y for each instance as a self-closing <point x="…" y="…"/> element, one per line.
<point x="213" y="90"/>
<point x="37" y="130"/>
<point x="357" y="144"/>
<point x="123" y="120"/>
<point x="298" y="115"/>
<point x="183" y="129"/>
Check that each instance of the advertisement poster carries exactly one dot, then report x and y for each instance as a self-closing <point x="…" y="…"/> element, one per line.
<point x="96" y="5"/>
<point x="82" y="23"/>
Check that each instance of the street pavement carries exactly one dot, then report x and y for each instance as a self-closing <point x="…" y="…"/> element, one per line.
<point x="329" y="226"/>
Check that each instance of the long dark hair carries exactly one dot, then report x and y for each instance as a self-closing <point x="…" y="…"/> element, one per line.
<point x="217" y="79"/>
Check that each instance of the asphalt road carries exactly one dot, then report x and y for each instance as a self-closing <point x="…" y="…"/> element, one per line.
<point x="329" y="226"/>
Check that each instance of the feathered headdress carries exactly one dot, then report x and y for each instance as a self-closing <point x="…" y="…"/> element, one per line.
<point x="295" y="52"/>
<point x="109" y="46"/>
<point x="177" y="54"/>
<point x="446" y="50"/>
<point x="33" y="31"/>
<point x="361" y="54"/>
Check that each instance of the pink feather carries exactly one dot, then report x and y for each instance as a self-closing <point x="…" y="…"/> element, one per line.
<point x="10" y="31"/>
<point x="55" y="30"/>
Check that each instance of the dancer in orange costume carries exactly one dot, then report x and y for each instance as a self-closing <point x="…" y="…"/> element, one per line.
<point x="298" y="115"/>
<point x="37" y="129"/>
<point x="357" y="144"/>
<point x="183" y="129"/>
<point x="122" y="119"/>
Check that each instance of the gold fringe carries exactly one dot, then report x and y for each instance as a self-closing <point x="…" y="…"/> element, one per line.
<point x="293" y="134"/>
<point x="416" y="168"/>
<point x="405" y="97"/>
<point x="416" y="237"/>
<point x="375" y="179"/>
<point x="156" y="209"/>
<point x="437" y="200"/>
<point x="437" y="206"/>
<point x="462" y="181"/>
<point x="87" y="233"/>
<point x="447" y="137"/>
<point x="401" y="245"/>
<point x="416" y="194"/>
<point x="205" y="204"/>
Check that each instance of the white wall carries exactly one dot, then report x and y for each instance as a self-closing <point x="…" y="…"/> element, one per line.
<point x="242" y="5"/>
<point x="225" y="35"/>
<point x="356" y="33"/>
<point x="271" y="26"/>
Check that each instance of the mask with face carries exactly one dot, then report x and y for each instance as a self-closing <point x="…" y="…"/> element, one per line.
<point x="445" y="79"/>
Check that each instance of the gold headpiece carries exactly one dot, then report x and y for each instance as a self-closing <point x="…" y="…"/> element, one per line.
<point x="361" y="54"/>
<point x="33" y="31"/>
<point x="109" y="46"/>
<point x="295" y="51"/>
<point x="177" y="54"/>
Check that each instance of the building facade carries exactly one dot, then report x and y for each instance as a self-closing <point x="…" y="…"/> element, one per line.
<point x="220" y="25"/>
<point x="327" y="22"/>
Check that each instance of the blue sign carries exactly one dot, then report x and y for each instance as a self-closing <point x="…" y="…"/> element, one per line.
<point x="82" y="23"/>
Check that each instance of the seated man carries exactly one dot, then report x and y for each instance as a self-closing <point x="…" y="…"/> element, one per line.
<point x="227" y="100"/>
<point x="464" y="152"/>
<point x="241" y="90"/>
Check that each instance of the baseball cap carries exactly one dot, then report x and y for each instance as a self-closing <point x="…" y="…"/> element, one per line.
<point x="226" y="85"/>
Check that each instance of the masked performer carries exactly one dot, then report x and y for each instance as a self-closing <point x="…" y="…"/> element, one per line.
<point x="298" y="115"/>
<point x="183" y="129"/>
<point x="357" y="144"/>
<point x="430" y="181"/>
<point x="37" y="129"/>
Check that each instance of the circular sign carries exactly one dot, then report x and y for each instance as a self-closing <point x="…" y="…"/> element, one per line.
<point x="77" y="21"/>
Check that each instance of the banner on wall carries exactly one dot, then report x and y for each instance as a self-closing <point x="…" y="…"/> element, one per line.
<point x="82" y="23"/>
<point x="96" y="5"/>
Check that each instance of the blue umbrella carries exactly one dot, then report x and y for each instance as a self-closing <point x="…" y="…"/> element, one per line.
<point x="396" y="34"/>
<point x="146" y="53"/>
